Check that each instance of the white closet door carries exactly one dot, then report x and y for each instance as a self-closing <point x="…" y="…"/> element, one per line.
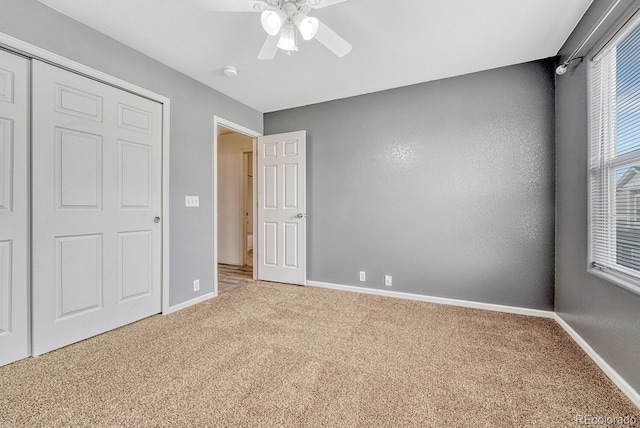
<point x="96" y="195"/>
<point x="14" y="220"/>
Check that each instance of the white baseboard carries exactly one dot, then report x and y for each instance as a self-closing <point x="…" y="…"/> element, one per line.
<point x="439" y="300"/>
<point x="615" y="377"/>
<point x="188" y="303"/>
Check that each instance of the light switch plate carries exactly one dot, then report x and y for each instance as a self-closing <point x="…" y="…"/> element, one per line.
<point x="191" y="201"/>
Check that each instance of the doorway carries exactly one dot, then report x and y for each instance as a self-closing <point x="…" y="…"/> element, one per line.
<point x="235" y="197"/>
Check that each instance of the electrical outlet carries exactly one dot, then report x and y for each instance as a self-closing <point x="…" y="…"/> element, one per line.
<point x="196" y="285"/>
<point x="388" y="280"/>
<point x="191" y="201"/>
<point x="363" y="276"/>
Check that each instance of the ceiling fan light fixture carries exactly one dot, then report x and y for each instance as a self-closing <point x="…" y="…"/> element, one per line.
<point x="308" y="26"/>
<point x="287" y="40"/>
<point x="272" y="21"/>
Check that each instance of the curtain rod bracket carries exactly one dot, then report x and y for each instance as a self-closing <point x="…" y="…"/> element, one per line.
<point x="562" y="68"/>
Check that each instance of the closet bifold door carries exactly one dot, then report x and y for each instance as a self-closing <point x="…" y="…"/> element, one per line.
<point x="14" y="215"/>
<point x="96" y="206"/>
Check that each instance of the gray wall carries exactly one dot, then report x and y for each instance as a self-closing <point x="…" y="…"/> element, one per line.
<point x="193" y="106"/>
<point x="605" y="315"/>
<point x="448" y="186"/>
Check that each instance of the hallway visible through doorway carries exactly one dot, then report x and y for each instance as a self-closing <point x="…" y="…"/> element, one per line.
<point x="231" y="277"/>
<point x="235" y="197"/>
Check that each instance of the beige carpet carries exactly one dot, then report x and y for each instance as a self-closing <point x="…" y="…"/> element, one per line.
<point x="278" y="355"/>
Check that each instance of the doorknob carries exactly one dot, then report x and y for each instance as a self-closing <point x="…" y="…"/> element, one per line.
<point x="300" y="215"/>
<point x="156" y="220"/>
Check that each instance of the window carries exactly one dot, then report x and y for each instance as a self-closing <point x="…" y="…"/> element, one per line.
<point x="614" y="169"/>
<point x="635" y="204"/>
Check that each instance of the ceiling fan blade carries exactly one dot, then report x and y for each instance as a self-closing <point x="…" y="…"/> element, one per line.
<point x="231" y="5"/>
<point x="270" y="48"/>
<point x="317" y="4"/>
<point x="332" y="40"/>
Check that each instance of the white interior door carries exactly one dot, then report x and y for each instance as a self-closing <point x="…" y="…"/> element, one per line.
<point x="281" y="214"/>
<point x="14" y="216"/>
<point x="96" y="156"/>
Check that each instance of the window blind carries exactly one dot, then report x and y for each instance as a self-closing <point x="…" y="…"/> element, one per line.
<point x="614" y="161"/>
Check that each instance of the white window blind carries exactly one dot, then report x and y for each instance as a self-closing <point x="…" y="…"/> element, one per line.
<point x="614" y="168"/>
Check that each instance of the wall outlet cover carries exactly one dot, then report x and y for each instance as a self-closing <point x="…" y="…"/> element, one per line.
<point x="388" y="280"/>
<point x="196" y="285"/>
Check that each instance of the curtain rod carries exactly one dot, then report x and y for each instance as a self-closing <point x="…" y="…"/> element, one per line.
<point x="562" y="68"/>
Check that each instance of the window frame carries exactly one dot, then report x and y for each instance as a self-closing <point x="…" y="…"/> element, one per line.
<point x="624" y="277"/>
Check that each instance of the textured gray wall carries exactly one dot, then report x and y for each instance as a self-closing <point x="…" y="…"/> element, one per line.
<point x="193" y="106"/>
<point x="605" y="315"/>
<point x="448" y="186"/>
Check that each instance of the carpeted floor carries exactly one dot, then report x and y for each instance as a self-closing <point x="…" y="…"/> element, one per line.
<point x="269" y="355"/>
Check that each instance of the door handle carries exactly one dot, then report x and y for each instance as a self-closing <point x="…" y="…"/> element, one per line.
<point x="156" y="220"/>
<point x="300" y="215"/>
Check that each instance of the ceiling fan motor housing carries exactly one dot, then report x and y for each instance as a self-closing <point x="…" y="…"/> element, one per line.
<point x="290" y="9"/>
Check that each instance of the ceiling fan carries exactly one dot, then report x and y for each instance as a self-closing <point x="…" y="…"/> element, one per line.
<point x="280" y="19"/>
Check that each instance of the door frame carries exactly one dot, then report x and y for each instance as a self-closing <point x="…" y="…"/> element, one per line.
<point x="219" y="122"/>
<point x="30" y="51"/>
<point x="245" y="184"/>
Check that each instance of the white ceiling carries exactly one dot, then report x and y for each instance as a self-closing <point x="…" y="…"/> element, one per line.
<point x="395" y="43"/>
